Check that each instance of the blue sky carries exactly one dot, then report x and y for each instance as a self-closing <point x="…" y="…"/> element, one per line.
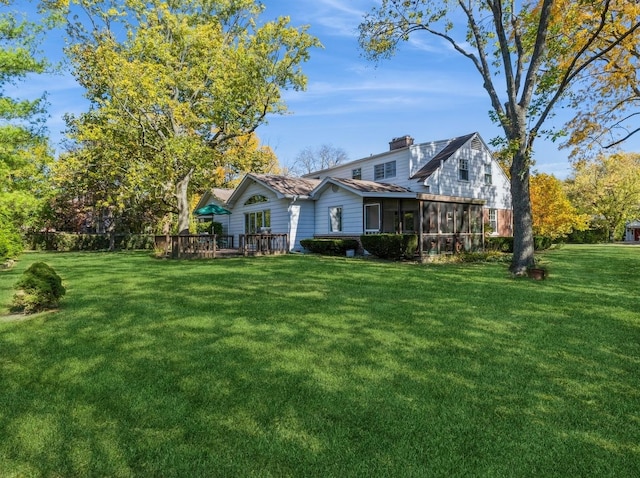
<point x="427" y="91"/>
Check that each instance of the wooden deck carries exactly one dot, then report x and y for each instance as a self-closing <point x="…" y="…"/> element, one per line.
<point x="213" y="247"/>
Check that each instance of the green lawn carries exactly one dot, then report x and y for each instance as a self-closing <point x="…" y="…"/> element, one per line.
<point x="307" y="366"/>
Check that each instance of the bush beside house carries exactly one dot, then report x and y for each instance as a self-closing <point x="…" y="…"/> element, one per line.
<point x="330" y="247"/>
<point x="390" y="246"/>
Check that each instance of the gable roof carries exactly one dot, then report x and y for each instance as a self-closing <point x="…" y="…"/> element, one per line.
<point x="282" y="186"/>
<point x="215" y="195"/>
<point x="287" y="186"/>
<point x="429" y="168"/>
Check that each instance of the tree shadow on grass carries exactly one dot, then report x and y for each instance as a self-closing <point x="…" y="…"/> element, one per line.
<point x="181" y="370"/>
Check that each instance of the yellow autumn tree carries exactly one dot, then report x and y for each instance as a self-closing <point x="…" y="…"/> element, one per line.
<point x="553" y="214"/>
<point x="605" y="99"/>
<point x="244" y="154"/>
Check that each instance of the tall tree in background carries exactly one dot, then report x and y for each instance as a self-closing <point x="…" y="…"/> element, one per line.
<point x="553" y="214"/>
<point x="607" y="99"/>
<point x="607" y="188"/>
<point x="326" y="156"/>
<point x="174" y="84"/>
<point x="520" y="48"/>
<point x="24" y="152"/>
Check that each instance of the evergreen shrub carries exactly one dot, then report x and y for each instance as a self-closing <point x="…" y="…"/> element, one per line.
<point x="329" y="247"/>
<point x="39" y="288"/>
<point x="390" y="246"/>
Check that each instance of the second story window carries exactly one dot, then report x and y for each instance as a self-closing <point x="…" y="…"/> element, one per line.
<point x="356" y="173"/>
<point x="463" y="169"/>
<point x="384" y="171"/>
<point x="488" y="179"/>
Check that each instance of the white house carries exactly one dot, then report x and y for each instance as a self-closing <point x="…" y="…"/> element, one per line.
<point x="446" y="191"/>
<point x="632" y="231"/>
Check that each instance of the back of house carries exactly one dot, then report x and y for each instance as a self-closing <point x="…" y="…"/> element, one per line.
<point x="451" y="192"/>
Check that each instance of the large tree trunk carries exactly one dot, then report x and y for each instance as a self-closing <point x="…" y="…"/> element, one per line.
<point x="522" y="219"/>
<point x="184" y="212"/>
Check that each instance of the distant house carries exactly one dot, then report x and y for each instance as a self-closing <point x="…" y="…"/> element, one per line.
<point x="632" y="231"/>
<point x="452" y="190"/>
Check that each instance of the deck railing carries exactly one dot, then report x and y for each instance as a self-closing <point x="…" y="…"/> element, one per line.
<point x="261" y="244"/>
<point x="193" y="247"/>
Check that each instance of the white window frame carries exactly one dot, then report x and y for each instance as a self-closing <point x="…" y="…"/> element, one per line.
<point x="356" y="173"/>
<point x="488" y="174"/>
<point x="493" y="220"/>
<point x="463" y="169"/>
<point x="366" y="216"/>
<point x="265" y="219"/>
<point x="335" y="212"/>
<point x="384" y="170"/>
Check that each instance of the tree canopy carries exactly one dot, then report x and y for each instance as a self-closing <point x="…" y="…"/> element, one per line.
<point x="607" y="188"/>
<point x="527" y="56"/>
<point x="174" y="86"/>
<point x="24" y="151"/>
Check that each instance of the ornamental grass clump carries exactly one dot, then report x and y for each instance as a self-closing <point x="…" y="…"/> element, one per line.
<point x="39" y="288"/>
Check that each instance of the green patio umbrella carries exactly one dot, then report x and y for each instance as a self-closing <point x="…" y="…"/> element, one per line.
<point x="212" y="209"/>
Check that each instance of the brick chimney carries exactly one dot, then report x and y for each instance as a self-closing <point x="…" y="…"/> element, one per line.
<point x="401" y="142"/>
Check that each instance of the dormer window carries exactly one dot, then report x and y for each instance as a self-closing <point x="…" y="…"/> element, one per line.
<point x="463" y="169"/>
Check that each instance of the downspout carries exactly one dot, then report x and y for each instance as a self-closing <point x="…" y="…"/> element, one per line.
<point x="290" y="210"/>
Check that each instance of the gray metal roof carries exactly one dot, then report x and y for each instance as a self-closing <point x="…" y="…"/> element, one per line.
<point x="429" y="168"/>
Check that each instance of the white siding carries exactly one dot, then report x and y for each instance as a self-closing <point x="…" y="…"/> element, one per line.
<point x="279" y="217"/>
<point x="445" y="181"/>
<point x="367" y="166"/>
<point x="351" y="211"/>
<point x="302" y="223"/>
<point x="287" y="216"/>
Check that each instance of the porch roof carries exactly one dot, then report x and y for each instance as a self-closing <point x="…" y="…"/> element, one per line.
<point x="365" y="188"/>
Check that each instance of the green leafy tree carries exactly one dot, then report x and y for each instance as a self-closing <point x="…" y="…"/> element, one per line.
<point x="526" y="59"/>
<point x="24" y="151"/>
<point x="174" y="85"/>
<point x="607" y="188"/>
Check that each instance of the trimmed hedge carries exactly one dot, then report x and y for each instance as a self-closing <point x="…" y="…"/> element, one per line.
<point x="65" y="242"/>
<point x="505" y="244"/>
<point x="329" y="247"/>
<point x="39" y="288"/>
<point x="390" y="246"/>
<point x="590" y="236"/>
